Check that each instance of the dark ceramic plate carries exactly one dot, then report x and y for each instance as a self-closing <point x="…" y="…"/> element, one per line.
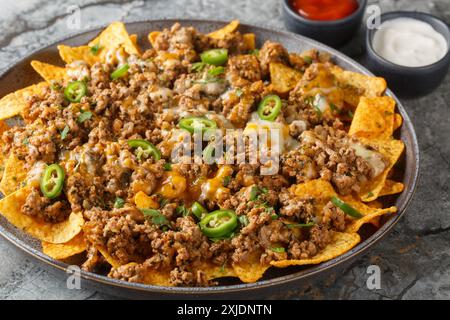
<point x="275" y="282"/>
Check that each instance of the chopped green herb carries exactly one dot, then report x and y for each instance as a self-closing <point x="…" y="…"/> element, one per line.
<point x="216" y="71"/>
<point x="86" y="115"/>
<point x="198" y="66"/>
<point x="167" y="166"/>
<point x="182" y="211"/>
<point x="350" y="114"/>
<point x="95" y="48"/>
<point x="278" y="249"/>
<point x="299" y="225"/>
<point x="334" y="108"/>
<point x="254" y="52"/>
<point x="119" y="203"/>
<point x="253" y="193"/>
<point x="209" y="80"/>
<point x="308" y="59"/>
<point x="25" y="141"/>
<point x="64" y="132"/>
<point x="156" y="216"/>
<point x="370" y="194"/>
<point x="243" y="220"/>
<point x="239" y="92"/>
<point x="274" y="216"/>
<point x="163" y="202"/>
<point x="226" y="181"/>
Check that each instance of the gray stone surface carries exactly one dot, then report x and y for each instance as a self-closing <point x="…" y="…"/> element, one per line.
<point x="414" y="259"/>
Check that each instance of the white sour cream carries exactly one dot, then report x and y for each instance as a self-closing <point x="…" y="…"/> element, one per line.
<point x="409" y="42"/>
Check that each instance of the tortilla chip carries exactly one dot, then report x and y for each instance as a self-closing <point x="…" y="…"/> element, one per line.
<point x="357" y="85"/>
<point x="134" y="39"/>
<point x="13" y="176"/>
<point x="10" y="208"/>
<point x="222" y="33"/>
<point x="144" y="201"/>
<point x="113" y="37"/>
<point x="398" y="121"/>
<point x="109" y="258"/>
<point x="65" y="250"/>
<point x="391" y="187"/>
<point x="83" y="53"/>
<point x="152" y="37"/>
<point x="13" y="104"/>
<point x="374" y="118"/>
<point x="322" y="191"/>
<point x="251" y="270"/>
<point x="341" y="243"/>
<point x="3" y="127"/>
<point x="283" y="78"/>
<point x="369" y="213"/>
<point x="48" y="71"/>
<point x="250" y="41"/>
<point x="391" y="150"/>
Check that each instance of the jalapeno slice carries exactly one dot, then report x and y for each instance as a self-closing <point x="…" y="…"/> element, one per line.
<point x="219" y="223"/>
<point x="120" y="71"/>
<point x="198" y="210"/>
<point x="269" y="107"/>
<point x="192" y="123"/>
<point x="52" y="181"/>
<point x="75" y="90"/>
<point x="215" y="57"/>
<point x="144" y="148"/>
<point x="348" y="209"/>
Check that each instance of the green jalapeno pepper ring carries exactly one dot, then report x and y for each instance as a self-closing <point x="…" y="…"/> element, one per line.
<point x="52" y="181"/>
<point x="191" y="123"/>
<point x="120" y="71"/>
<point x="215" y="57"/>
<point x="75" y="90"/>
<point x="269" y="107"/>
<point x="198" y="210"/>
<point x="145" y="148"/>
<point x="219" y="223"/>
<point x="348" y="209"/>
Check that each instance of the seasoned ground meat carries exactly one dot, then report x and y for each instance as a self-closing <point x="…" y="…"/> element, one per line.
<point x="271" y="52"/>
<point x="43" y="208"/>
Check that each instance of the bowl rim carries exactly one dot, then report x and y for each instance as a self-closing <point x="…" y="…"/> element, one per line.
<point x="391" y="15"/>
<point x="326" y="23"/>
<point x="358" y="250"/>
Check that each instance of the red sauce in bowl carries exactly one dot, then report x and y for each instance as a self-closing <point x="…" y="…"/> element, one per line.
<point x="325" y="10"/>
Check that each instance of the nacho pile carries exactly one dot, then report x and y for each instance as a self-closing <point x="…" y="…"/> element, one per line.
<point x="93" y="171"/>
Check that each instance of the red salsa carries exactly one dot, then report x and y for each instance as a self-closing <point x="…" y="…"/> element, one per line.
<point x="325" y="10"/>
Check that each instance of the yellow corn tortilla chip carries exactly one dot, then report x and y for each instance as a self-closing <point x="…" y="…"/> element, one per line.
<point x="391" y="187"/>
<point x="356" y="85"/>
<point x="221" y="33"/>
<point x="3" y="127"/>
<point x="398" y="121"/>
<point x="61" y="251"/>
<point x="13" y="104"/>
<point x="10" y="208"/>
<point x="134" y="40"/>
<point x="152" y="37"/>
<point x="250" y="41"/>
<point x="162" y="277"/>
<point x="322" y="191"/>
<point x="391" y="150"/>
<point x="340" y="244"/>
<point x="283" y="78"/>
<point x="82" y="53"/>
<point x="374" y="118"/>
<point x="369" y="213"/>
<point x="48" y="71"/>
<point x="109" y="258"/>
<point x="251" y="270"/>
<point x="113" y="37"/>
<point x="13" y="176"/>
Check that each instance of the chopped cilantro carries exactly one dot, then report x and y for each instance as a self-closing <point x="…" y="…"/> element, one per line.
<point x="119" y="203"/>
<point x="86" y="115"/>
<point x="155" y="216"/>
<point x="278" y="249"/>
<point x="95" y="48"/>
<point x="64" y="132"/>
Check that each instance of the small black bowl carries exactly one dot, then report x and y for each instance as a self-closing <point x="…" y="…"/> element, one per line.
<point x="409" y="81"/>
<point x="333" y="33"/>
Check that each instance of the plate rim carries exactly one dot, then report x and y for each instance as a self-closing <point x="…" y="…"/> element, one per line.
<point x="358" y="250"/>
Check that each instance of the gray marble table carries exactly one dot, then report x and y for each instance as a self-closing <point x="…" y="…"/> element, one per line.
<point x="414" y="259"/>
